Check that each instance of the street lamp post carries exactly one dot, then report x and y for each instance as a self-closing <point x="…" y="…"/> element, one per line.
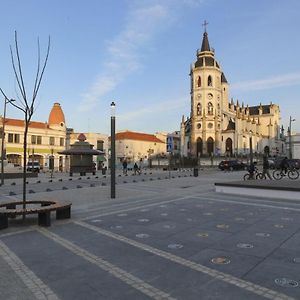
<point x="251" y="150"/>
<point x="113" y="152"/>
<point x="3" y="138"/>
<point x="290" y="138"/>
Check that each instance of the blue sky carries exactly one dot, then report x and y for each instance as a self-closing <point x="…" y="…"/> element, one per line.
<point x="138" y="54"/>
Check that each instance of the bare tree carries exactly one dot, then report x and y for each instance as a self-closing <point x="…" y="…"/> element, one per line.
<point x="26" y="103"/>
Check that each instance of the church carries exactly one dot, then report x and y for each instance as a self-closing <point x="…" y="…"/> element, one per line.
<point x="220" y="126"/>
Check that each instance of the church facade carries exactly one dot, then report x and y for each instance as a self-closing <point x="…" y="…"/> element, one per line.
<point x="220" y="126"/>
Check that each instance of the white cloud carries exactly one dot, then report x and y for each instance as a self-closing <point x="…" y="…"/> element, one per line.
<point x="123" y="51"/>
<point x="268" y="83"/>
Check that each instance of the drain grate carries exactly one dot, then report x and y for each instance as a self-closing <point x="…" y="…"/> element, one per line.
<point x="285" y="282"/>
<point x="142" y="235"/>
<point x="175" y="246"/>
<point x="244" y="246"/>
<point x="220" y="261"/>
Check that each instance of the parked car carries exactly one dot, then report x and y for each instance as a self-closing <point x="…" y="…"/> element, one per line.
<point x="232" y="165"/>
<point x="35" y="165"/>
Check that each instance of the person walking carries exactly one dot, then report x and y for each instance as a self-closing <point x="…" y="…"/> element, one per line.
<point x="266" y="167"/>
<point x="125" y="167"/>
<point x="136" y="169"/>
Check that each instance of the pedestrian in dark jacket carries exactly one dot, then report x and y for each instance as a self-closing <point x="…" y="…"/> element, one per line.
<point x="266" y="167"/>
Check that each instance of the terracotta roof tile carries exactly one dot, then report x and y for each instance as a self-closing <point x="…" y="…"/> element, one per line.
<point x="20" y="123"/>
<point x="130" y="135"/>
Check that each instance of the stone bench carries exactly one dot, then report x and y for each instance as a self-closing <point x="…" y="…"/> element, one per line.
<point x="11" y="210"/>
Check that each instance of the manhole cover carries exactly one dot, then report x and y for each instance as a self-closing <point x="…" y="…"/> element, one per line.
<point x="175" y="246"/>
<point x="285" y="282"/>
<point x="262" y="234"/>
<point x="222" y="226"/>
<point x="278" y="226"/>
<point x="208" y="214"/>
<point x="122" y="215"/>
<point x="143" y="220"/>
<point x="96" y="221"/>
<point x="142" y="235"/>
<point x="239" y="219"/>
<point x="220" y="260"/>
<point x="167" y="226"/>
<point x="164" y="214"/>
<point x="202" y="234"/>
<point x="245" y="246"/>
<point x="296" y="260"/>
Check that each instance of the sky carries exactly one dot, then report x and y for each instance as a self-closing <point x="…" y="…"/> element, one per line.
<point x="137" y="53"/>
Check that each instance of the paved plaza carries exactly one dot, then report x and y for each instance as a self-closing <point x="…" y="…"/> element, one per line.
<point x="165" y="236"/>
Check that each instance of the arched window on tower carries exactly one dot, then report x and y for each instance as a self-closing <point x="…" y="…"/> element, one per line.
<point x="210" y="108"/>
<point x="199" y="109"/>
<point x="209" y="81"/>
<point x="199" y="81"/>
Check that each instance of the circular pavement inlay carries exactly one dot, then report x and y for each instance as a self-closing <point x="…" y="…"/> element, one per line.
<point x="142" y="235"/>
<point x="220" y="261"/>
<point x="122" y="215"/>
<point x="285" y="282"/>
<point x="278" y="225"/>
<point x="143" y="220"/>
<point x="167" y="226"/>
<point x="175" y="246"/>
<point x="296" y="260"/>
<point x="239" y="219"/>
<point x="202" y="234"/>
<point x="222" y="226"/>
<point x="244" y="246"/>
<point x="262" y="234"/>
<point x="116" y="227"/>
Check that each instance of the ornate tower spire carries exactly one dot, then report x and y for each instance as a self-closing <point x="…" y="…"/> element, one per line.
<point x="205" y="43"/>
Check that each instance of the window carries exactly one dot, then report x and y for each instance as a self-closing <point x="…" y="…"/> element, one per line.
<point x="16" y="138"/>
<point x="199" y="81"/>
<point x="61" y="141"/>
<point x="39" y="140"/>
<point x="210" y="125"/>
<point x="210" y="108"/>
<point x="209" y="81"/>
<point x="51" y="140"/>
<point x="199" y="109"/>
<point x="10" y="138"/>
<point x="33" y="139"/>
<point x="199" y="125"/>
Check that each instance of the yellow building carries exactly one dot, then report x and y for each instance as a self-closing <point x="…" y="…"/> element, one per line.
<point x="219" y="126"/>
<point x="43" y="140"/>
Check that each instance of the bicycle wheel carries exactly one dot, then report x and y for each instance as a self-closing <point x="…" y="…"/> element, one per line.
<point x="293" y="174"/>
<point x="277" y="174"/>
<point x="261" y="176"/>
<point x="247" y="176"/>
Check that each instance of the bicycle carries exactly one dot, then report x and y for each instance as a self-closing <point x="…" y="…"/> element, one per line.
<point x="256" y="175"/>
<point x="292" y="174"/>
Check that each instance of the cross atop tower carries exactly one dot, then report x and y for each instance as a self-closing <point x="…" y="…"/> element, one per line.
<point x="204" y="25"/>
